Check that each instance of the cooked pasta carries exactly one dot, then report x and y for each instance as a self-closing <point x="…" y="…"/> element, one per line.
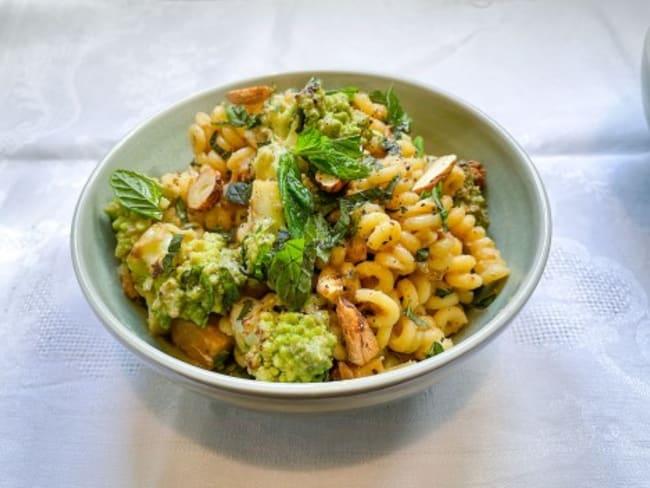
<point x="311" y="238"/>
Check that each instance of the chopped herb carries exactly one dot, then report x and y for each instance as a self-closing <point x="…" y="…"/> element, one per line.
<point x="290" y="272"/>
<point x="338" y="157"/>
<point x="137" y="193"/>
<point x="317" y="231"/>
<point x="239" y="192"/>
<point x="239" y="117"/>
<point x="443" y="292"/>
<point x="422" y="254"/>
<point x="436" y="195"/>
<point x="181" y="211"/>
<point x="172" y="250"/>
<point x="247" y="306"/>
<point x="419" y="321"/>
<point x="296" y="198"/>
<point x="418" y="142"/>
<point x="377" y="97"/>
<point x="485" y="295"/>
<point x="436" y="348"/>
<point x="397" y="117"/>
<point x="391" y="146"/>
<point x="219" y="361"/>
<point x="217" y="148"/>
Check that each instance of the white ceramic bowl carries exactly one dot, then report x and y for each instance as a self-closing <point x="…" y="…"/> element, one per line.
<point x="518" y="208"/>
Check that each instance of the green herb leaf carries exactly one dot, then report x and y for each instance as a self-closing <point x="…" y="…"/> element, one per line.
<point x="217" y="148"/>
<point x="291" y="271"/>
<point x="397" y="117"/>
<point x="419" y="321"/>
<point x="436" y="195"/>
<point x="137" y="193"/>
<point x="317" y="232"/>
<point x="391" y="146"/>
<point x="239" y="117"/>
<point x="338" y="157"/>
<point x="422" y="254"/>
<point x="436" y="348"/>
<point x="172" y="250"/>
<point x="485" y="295"/>
<point x="443" y="292"/>
<point x="239" y="192"/>
<point x="247" y="306"/>
<point x="181" y="211"/>
<point x="220" y="359"/>
<point x="348" y="90"/>
<point x="418" y="142"/>
<point x="378" y="97"/>
<point x="296" y="197"/>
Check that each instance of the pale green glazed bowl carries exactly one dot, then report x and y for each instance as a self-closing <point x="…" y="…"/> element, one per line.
<point x="518" y="206"/>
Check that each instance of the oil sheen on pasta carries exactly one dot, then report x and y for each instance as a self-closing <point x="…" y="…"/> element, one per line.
<point x="311" y="238"/>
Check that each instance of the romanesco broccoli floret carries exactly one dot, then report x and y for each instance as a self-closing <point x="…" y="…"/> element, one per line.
<point x="286" y="347"/>
<point x="128" y="227"/>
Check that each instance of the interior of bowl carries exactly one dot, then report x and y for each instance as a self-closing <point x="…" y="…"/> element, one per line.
<point x="517" y="207"/>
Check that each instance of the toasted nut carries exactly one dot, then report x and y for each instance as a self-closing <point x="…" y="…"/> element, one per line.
<point x="249" y="95"/>
<point x="478" y="173"/>
<point x="360" y="341"/>
<point x="329" y="183"/>
<point x="436" y="171"/>
<point x="205" y="191"/>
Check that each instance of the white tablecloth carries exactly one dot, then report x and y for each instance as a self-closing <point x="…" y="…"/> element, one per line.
<point x="561" y="399"/>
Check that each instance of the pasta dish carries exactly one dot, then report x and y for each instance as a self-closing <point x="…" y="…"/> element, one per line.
<point x="311" y="238"/>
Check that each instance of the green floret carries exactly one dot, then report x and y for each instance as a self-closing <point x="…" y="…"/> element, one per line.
<point x="200" y="277"/>
<point x="471" y="196"/>
<point x="332" y="114"/>
<point x="128" y="227"/>
<point x="287" y="347"/>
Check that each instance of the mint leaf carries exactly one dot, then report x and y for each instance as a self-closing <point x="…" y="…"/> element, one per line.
<point x="296" y="197"/>
<point x="338" y="157"/>
<point x="418" y="142"/>
<point x="443" y="292"/>
<point x="290" y="272"/>
<point x="485" y="295"/>
<point x="397" y="117"/>
<point x="418" y="321"/>
<point x="422" y="254"/>
<point x="239" y="192"/>
<point x="137" y="193"/>
<point x="436" y="348"/>
<point x="217" y="148"/>
<point x="181" y="211"/>
<point x="239" y="117"/>
<point x="317" y="233"/>
<point x="172" y="250"/>
<point x="436" y="195"/>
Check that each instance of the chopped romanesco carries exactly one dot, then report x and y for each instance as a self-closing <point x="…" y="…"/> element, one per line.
<point x="285" y="347"/>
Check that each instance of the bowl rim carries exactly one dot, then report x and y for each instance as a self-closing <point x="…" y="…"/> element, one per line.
<point x="305" y="391"/>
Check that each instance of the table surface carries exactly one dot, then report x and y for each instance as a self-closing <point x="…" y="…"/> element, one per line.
<point x="561" y="399"/>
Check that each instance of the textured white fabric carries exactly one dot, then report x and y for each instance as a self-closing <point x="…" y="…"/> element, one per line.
<point x="562" y="398"/>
